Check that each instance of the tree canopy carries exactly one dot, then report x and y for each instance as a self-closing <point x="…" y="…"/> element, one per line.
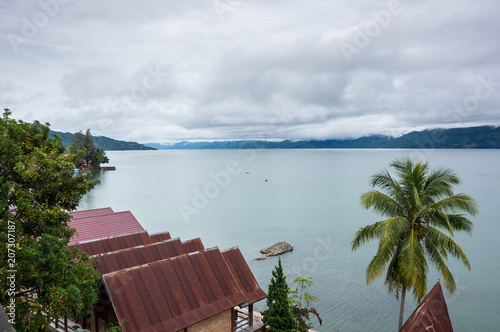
<point x="38" y="274"/>
<point x="92" y="156"/>
<point x="422" y="214"/>
<point x="278" y="316"/>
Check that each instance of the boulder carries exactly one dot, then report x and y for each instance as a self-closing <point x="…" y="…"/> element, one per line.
<point x="277" y="249"/>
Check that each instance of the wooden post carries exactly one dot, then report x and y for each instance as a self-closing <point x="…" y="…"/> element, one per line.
<point x="65" y="323"/>
<point x="84" y="323"/>
<point x="233" y="319"/>
<point x="250" y="314"/>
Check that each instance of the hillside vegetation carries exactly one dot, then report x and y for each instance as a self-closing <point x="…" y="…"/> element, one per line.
<point x="104" y="143"/>
<point x="484" y="137"/>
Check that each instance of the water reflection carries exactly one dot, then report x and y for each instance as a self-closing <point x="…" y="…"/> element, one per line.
<point x="88" y="201"/>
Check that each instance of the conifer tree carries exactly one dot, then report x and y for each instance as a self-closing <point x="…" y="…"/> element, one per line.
<point x="278" y="316"/>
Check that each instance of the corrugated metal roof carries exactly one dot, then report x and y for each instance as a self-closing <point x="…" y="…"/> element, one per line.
<point x="431" y="315"/>
<point x="243" y="275"/>
<point x="193" y="245"/>
<point x="172" y="294"/>
<point x="103" y="226"/>
<point x="91" y="213"/>
<point x="100" y="246"/>
<point x="159" y="237"/>
<point x="126" y="258"/>
<point x="119" y="242"/>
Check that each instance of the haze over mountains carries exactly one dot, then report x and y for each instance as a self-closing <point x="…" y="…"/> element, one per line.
<point x="485" y="137"/>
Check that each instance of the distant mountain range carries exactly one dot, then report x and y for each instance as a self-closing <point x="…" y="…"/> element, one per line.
<point x="102" y="142"/>
<point x="484" y="137"/>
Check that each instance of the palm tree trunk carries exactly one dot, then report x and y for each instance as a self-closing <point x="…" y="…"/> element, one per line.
<point x="402" y="308"/>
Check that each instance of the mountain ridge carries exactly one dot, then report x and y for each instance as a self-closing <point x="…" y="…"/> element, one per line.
<point x="481" y="137"/>
<point x="103" y="142"/>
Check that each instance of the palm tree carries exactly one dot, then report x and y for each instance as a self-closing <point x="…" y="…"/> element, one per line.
<point x="420" y="208"/>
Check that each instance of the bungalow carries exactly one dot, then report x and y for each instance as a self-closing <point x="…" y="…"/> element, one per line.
<point x="155" y="283"/>
<point x="431" y="315"/>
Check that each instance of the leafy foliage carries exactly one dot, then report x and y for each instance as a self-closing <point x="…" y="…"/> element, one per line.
<point x="303" y="304"/>
<point x="102" y="142"/>
<point x="422" y="214"/>
<point x="92" y="157"/>
<point x="114" y="328"/>
<point x="37" y="187"/>
<point x="278" y="316"/>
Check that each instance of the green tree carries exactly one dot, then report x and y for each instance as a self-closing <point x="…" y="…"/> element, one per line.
<point x="91" y="157"/>
<point x="98" y="159"/>
<point x="88" y="143"/>
<point x="37" y="188"/>
<point x="303" y="304"/>
<point x="422" y="214"/>
<point x="278" y="316"/>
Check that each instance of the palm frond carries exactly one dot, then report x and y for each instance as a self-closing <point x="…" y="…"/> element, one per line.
<point x="415" y="198"/>
<point x="438" y="218"/>
<point x="412" y="262"/>
<point x="392" y="230"/>
<point x="436" y="258"/>
<point x="364" y="235"/>
<point x="378" y="263"/>
<point x="440" y="183"/>
<point x="460" y="223"/>
<point x="457" y="203"/>
<point x="419" y="288"/>
<point x="393" y="276"/>
<point x="444" y="242"/>
<point x="412" y="173"/>
<point x="381" y="203"/>
<point x="387" y="184"/>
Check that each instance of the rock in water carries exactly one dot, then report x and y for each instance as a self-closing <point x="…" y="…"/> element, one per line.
<point x="277" y="249"/>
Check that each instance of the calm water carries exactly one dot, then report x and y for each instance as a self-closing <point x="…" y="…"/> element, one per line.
<point x="311" y="200"/>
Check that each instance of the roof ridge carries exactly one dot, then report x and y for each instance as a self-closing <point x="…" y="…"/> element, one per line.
<point x="144" y="245"/>
<point x="105" y="238"/>
<point x="160" y="261"/>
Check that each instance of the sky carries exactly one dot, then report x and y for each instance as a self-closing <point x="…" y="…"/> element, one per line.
<point x="167" y="71"/>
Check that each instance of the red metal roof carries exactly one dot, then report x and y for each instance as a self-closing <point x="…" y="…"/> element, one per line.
<point x="172" y="294"/>
<point x="91" y="213"/>
<point x="123" y="259"/>
<point x="104" y="225"/>
<point x="125" y="241"/>
<point x="159" y="237"/>
<point x="115" y="243"/>
<point x="243" y="276"/>
<point x="193" y="245"/>
<point x="431" y="315"/>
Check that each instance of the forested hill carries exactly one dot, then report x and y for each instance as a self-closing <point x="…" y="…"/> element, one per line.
<point x="484" y="137"/>
<point x="104" y="143"/>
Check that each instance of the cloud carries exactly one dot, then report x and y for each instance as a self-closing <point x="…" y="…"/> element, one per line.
<point x="161" y="71"/>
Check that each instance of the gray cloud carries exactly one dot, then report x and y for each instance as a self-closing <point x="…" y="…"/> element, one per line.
<point x="159" y="71"/>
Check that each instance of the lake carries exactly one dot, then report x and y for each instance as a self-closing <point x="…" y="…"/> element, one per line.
<point x="309" y="198"/>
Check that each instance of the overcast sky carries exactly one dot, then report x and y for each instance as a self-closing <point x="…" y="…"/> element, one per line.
<point x="165" y="71"/>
